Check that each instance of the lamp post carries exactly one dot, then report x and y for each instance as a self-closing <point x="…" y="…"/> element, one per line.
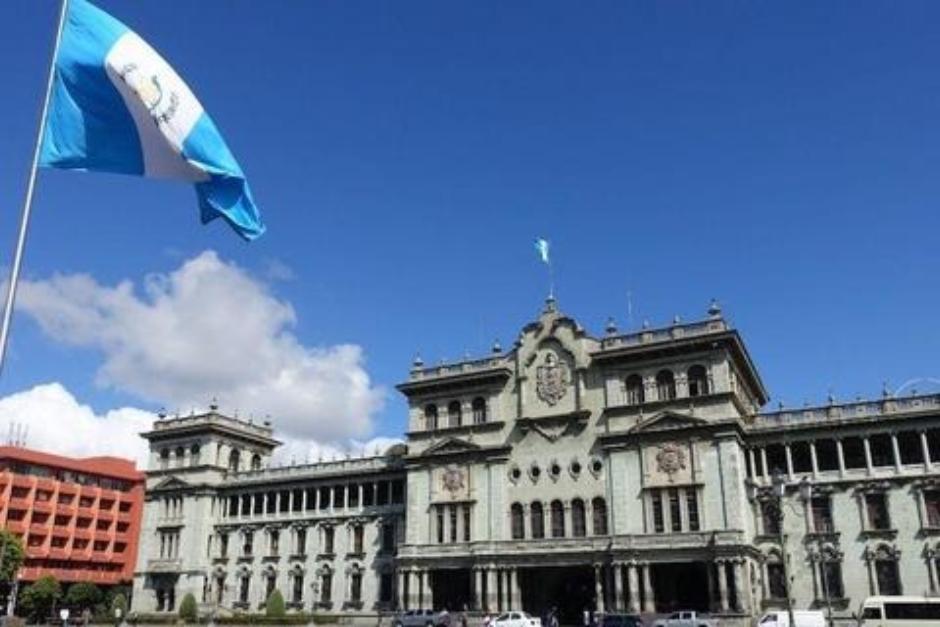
<point x="779" y="491"/>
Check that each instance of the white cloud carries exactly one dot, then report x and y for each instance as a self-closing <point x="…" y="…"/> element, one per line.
<point x="210" y="329"/>
<point x="57" y="423"/>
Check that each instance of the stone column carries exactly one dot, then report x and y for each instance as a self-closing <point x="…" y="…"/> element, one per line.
<point x="763" y="459"/>
<point x="813" y="459"/>
<point x="722" y="586"/>
<point x="750" y="457"/>
<point x="400" y="596"/>
<point x="925" y="447"/>
<point x="649" y="600"/>
<point x="428" y="600"/>
<point x="789" y="455"/>
<point x="633" y="588"/>
<point x="479" y="602"/>
<point x="739" y="590"/>
<point x="599" y="587"/>
<point x="618" y="603"/>
<point x="515" y="590"/>
<point x="932" y="564"/>
<point x="896" y="450"/>
<point x="840" y="456"/>
<point x="491" y="590"/>
<point x="868" y="464"/>
<point x="359" y="500"/>
<point x="710" y="575"/>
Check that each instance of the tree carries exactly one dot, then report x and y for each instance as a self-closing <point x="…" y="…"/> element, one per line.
<point x="275" y="605"/>
<point x="11" y="556"/>
<point x="82" y="596"/>
<point x="37" y="600"/>
<point x="188" y="608"/>
<point x="119" y="602"/>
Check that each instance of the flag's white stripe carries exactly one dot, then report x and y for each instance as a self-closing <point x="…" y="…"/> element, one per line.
<point x="162" y="106"/>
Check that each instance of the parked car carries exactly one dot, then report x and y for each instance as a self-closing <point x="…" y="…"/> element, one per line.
<point x="516" y="619"/>
<point x="802" y="618"/>
<point x="621" y="620"/>
<point x="423" y="618"/>
<point x="685" y="619"/>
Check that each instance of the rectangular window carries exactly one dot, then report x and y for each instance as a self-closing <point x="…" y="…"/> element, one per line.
<point x="853" y="452"/>
<point x="770" y="518"/>
<point x="270" y="503"/>
<point x="882" y="451"/>
<point x="352" y="496"/>
<point x="831" y="578"/>
<point x="297" y="595"/>
<point x="466" y="523"/>
<point x="932" y="507"/>
<point x="275" y="542"/>
<point x="439" y="511"/>
<point x="822" y="515"/>
<point x="388" y="537"/>
<point x="385" y="588"/>
<point x="368" y="495"/>
<point x="246" y="504"/>
<point x="382" y="497"/>
<point x="357" y="539"/>
<point x="355" y="588"/>
<point x="802" y="459"/>
<point x="675" y="510"/>
<point x="656" y="500"/>
<point x="910" y="448"/>
<point x="257" y="505"/>
<point x="284" y="504"/>
<point x="339" y="496"/>
<point x="247" y="547"/>
<point x="298" y="500"/>
<point x="311" y="498"/>
<point x="876" y="508"/>
<point x="776" y="582"/>
<point x="827" y="455"/>
<point x="326" y="586"/>
<point x="328" y="533"/>
<point x="301" y="542"/>
<point x="223" y="545"/>
<point x="691" y="501"/>
<point x="453" y="523"/>
<point x="324" y="498"/>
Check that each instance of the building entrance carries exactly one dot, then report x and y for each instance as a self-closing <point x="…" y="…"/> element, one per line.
<point x="570" y="590"/>
<point x="681" y="586"/>
<point x="451" y="589"/>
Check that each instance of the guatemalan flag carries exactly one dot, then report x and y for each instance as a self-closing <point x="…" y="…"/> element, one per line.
<point x="117" y="106"/>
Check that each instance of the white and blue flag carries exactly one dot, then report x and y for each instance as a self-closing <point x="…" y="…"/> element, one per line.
<point x="117" y="106"/>
<point x="541" y="247"/>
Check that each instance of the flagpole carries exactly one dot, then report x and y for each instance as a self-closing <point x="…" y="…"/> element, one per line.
<point x="28" y="202"/>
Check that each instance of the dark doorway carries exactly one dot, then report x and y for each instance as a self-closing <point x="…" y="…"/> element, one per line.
<point x="681" y="586"/>
<point x="569" y="589"/>
<point x="451" y="589"/>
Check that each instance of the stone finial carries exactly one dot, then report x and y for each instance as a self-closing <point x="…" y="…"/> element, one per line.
<point x="885" y="392"/>
<point x="714" y="309"/>
<point x="161" y="414"/>
<point x="214" y="404"/>
<point x="551" y="305"/>
<point x="497" y="347"/>
<point x="830" y="398"/>
<point x="646" y="323"/>
<point x="418" y="363"/>
<point x="611" y="327"/>
<point x="676" y="319"/>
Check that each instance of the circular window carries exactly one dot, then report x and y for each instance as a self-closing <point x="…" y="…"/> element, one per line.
<point x="575" y="468"/>
<point x="515" y="473"/>
<point x="555" y="470"/>
<point x="596" y="466"/>
<point x="535" y="472"/>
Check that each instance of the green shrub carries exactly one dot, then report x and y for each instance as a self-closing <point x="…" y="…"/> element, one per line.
<point x="188" y="611"/>
<point x="274" y="607"/>
<point x="119" y="602"/>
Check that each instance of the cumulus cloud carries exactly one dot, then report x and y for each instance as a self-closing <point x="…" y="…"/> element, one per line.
<point x="55" y="422"/>
<point x="210" y="329"/>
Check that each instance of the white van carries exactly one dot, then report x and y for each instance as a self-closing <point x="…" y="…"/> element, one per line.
<point x="802" y="618"/>
<point x="900" y="612"/>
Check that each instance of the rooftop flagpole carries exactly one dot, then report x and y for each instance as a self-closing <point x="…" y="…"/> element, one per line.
<point x="28" y="202"/>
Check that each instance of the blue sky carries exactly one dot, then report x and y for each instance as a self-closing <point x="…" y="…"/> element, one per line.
<point x="778" y="156"/>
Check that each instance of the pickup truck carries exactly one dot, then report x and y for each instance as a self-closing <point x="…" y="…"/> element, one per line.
<point x="685" y="619"/>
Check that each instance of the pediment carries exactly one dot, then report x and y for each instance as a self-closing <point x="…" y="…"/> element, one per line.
<point x="668" y="421"/>
<point x="451" y="445"/>
<point x="170" y="483"/>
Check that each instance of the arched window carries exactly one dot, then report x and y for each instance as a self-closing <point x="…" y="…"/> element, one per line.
<point x="886" y="571"/>
<point x="180" y="454"/>
<point x="479" y="410"/>
<point x="164" y="457"/>
<point x="454" y="415"/>
<point x="233" y="460"/>
<point x="830" y="572"/>
<point x="558" y="519"/>
<point x="698" y="381"/>
<point x="776" y="581"/>
<point x="665" y="385"/>
<point x="430" y="417"/>
<point x="635" y="393"/>
<point x="256" y="462"/>
<point x="578" y="525"/>
<point x="538" y="520"/>
<point x="518" y="522"/>
<point x="599" y="512"/>
<point x="194" y="455"/>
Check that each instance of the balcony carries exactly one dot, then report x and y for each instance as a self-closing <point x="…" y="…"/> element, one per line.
<point x="83" y="533"/>
<point x="22" y="481"/>
<point x="45" y="483"/>
<point x="17" y="526"/>
<point x="86" y="512"/>
<point x="41" y="529"/>
<point x="69" y="489"/>
<point x="102" y="536"/>
<point x="43" y="506"/>
<point x="106" y="515"/>
<point x="59" y="553"/>
<point x="164" y="565"/>
<point x="124" y="517"/>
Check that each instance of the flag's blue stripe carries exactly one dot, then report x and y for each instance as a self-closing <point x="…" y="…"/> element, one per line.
<point x="88" y="126"/>
<point x="226" y="194"/>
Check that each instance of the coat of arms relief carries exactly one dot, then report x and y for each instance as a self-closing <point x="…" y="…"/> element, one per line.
<point x="551" y="380"/>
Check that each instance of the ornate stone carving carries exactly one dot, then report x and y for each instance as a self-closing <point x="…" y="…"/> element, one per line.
<point x="670" y="459"/>
<point x="551" y="380"/>
<point x="452" y="480"/>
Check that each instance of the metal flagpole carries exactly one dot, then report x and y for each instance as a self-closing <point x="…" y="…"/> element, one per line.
<point x="28" y="203"/>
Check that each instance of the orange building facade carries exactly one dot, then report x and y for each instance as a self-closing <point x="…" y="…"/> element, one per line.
<point x="79" y="519"/>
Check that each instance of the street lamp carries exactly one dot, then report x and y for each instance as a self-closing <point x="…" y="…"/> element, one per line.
<point x="779" y="491"/>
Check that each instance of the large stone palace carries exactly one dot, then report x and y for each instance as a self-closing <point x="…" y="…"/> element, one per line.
<point x="632" y="472"/>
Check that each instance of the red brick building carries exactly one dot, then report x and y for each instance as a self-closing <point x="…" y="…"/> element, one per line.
<point x="79" y="518"/>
